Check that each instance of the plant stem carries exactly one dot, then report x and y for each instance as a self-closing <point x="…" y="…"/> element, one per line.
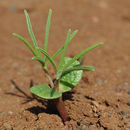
<point x="61" y="109"/>
<point x="56" y="84"/>
<point x="49" y="77"/>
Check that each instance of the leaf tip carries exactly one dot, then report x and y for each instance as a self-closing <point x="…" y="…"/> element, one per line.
<point x="25" y="11"/>
<point x="93" y="70"/>
<point x="13" y="34"/>
<point x="69" y="30"/>
<point x="101" y="43"/>
<point x="33" y="58"/>
<point x="50" y="10"/>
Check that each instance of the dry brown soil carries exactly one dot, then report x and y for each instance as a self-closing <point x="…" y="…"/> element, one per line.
<point x="101" y="100"/>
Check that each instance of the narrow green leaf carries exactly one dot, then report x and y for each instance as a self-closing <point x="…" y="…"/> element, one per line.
<point x="56" y="54"/>
<point x="81" y="59"/>
<point x="73" y="34"/>
<point x="39" y="59"/>
<point x="87" y="68"/>
<point x="49" y="58"/>
<point x="64" y="50"/>
<point x="25" y="42"/>
<point x="47" y="31"/>
<point x="31" y="32"/>
<point x="61" y="49"/>
<point x="81" y="54"/>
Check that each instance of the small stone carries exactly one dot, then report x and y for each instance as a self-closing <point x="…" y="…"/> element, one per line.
<point x="38" y="128"/>
<point x="128" y="103"/>
<point x="2" y="113"/>
<point x="95" y="103"/>
<point x="120" y="89"/>
<point x="109" y="112"/>
<point x="20" y="69"/>
<point x="125" y="116"/>
<point x="95" y="115"/>
<point x="129" y="92"/>
<point x="121" y="112"/>
<point x="79" y="122"/>
<point x="10" y="113"/>
<point x="126" y="83"/>
<point x="99" y="80"/>
<point x="94" y="109"/>
<point x="92" y="127"/>
<point x="84" y="127"/>
<point x="79" y="127"/>
<point x="12" y="9"/>
<point x="7" y="126"/>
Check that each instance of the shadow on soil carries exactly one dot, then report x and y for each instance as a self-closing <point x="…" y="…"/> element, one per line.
<point x="37" y="109"/>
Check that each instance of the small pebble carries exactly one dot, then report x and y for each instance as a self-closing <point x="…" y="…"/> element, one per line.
<point x="10" y="113"/>
<point x="38" y="128"/>
<point x="7" y="126"/>
<point x="94" y="109"/>
<point x="126" y="83"/>
<point x="125" y="116"/>
<point x="121" y="112"/>
<point x="129" y="92"/>
<point x="2" y="113"/>
<point x="84" y="127"/>
<point x="92" y="127"/>
<point x="79" y="122"/>
<point x="99" y="80"/>
<point x="95" y="103"/>
<point x="120" y="89"/>
<point x="20" y="69"/>
<point x="12" y="9"/>
<point x="79" y="127"/>
<point x="128" y="103"/>
<point x="109" y="112"/>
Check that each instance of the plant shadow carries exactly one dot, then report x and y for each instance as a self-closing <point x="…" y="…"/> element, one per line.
<point x="48" y="106"/>
<point x="36" y="110"/>
<point x="68" y="95"/>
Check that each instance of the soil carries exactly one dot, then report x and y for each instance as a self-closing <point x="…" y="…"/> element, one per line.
<point x="102" y="99"/>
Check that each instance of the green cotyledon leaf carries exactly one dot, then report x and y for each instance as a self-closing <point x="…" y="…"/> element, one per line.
<point x="71" y="79"/>
<point x="45" y="92"/>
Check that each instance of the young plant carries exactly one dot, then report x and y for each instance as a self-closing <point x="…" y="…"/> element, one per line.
<point x="68" y="71"/>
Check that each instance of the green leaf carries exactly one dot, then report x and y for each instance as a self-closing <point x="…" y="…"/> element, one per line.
<point x="55" y="55"/>
<point x="49" y="58"/>
<point x="47" y="31"/>
<point x="44" y="91"/>
<point x="87" y="68"/>
<point x="81" y="54"/>
<point x="81" y="60"/>
<point x="71" y="79"/>
<point x="39" y="59"/>
<point x="64" y="50"/>
<point x="72" y="35"/>
<point x="25" y="42"/>
<point x="31" y="32"/>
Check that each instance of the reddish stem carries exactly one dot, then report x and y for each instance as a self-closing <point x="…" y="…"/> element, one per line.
<point x="61" y="109"/>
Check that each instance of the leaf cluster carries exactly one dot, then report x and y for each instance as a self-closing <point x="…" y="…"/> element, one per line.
<point x="68" y="71"/>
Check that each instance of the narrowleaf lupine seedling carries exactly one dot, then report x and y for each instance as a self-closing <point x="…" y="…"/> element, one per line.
<point x="68" y="72"/>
